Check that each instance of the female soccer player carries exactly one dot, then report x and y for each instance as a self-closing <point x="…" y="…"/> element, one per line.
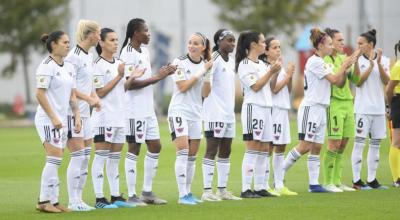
<point x="393" y="96"/>
<point x="184" y="112"/>
<point x="256" y="111"/>
<point x="55" y="93"/>
<point x="340" y="118"/>
<point x="141" y="121"/>
<point x="369" y="106"/>
<point x="311" y="119"/>
<point x="219" y="116"/>
<point x="281" y="85"/>
<point x="87" y="36"/>
<point x="109" y="128"/>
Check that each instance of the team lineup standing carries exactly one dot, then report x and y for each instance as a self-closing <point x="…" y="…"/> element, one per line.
<point x="104" y="94"/>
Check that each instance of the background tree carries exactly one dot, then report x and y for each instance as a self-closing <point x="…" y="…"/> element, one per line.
<point x="272" y="16"/>
<point x="23" y="22"/>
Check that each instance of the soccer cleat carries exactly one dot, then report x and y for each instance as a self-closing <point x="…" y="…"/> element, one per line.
<point x="226" y="195"/>
<point x="103" y="203"/>
<point x="286" y="192"/>
<point x="360" y="185"/>
<point x="332" y="188"/>
<point x="317" y="189"/>
<point x="186" y="200"/>
<point x="274" y="192"/>
<point x="345" y="188"/>
<point x="121" y="202"/>
<point x="396" y="184"/>
<point x="61" y="207"/>
<point x="248" y="194"/>
<point x="46" y="206"/>
<point x="151" y="198"/>
<point x="210" y="197"/>
<point x="136" y="201"/>
<point x="264" y="193"/>
<point x="194" y="198"/>
<point x="374" y="184"/>
<point x="78" y="207"/>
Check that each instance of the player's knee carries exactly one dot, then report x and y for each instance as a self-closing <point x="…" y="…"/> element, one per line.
<point x="134" y="148"/>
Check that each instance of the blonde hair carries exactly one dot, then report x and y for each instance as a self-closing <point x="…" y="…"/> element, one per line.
<point x="317" y="36"/>
<point x="85" y="27"/>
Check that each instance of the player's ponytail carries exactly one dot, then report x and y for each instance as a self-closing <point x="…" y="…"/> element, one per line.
<point x="103" y="36"/>
<point x="317" y="37"/>
<point x="133" y="25"/>
<point x="243" y="45"/>
<point x="397" y="48"/>
<point x="370" y="36"/>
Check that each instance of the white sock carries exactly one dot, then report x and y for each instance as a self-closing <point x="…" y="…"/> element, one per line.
<point x="180" y="171"/>
<point x="208" y="173"/>
<point x="313" y="169"/>
<point x="99" y="160"/>
<point x="49" y="178"/>
<point x="150" y="170"/>
<point x="223" y="169"/>
<point x="373" y="159"/>
<point x="249" y="160"/>
<point x="84" y="172"/>
<point x="260" y="171"/>
<point x="277" y="162"/>
<point x="55" y="191"/>
<point x="74" y="174"/>
<point x="130" y="173"/>
<point x="191" y="169"/>
<point x="113" y="172"/>
<point x="290" y="159"/>
<point x="356" y="158"/>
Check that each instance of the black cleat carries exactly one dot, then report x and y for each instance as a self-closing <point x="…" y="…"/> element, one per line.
<point x="374" y="184"/>
<point x="360" y="185"/>
<point x="264" y="193"/>
<point x="249" y="194"/>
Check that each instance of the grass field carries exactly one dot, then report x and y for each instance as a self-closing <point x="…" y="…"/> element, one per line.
<point x="22" y="159"/>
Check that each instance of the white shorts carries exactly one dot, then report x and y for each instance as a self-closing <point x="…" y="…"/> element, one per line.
<point x="256" y="123"/>
<point x="179" y="127"/>
<point x="115" y="135"/>
<point x="373" y="126"/>
<point x="55" y="137"/>
<point x="138" y="130"/>
<point x="219" y="129"/>
<point x="86" y="129"/>
<point x="311" y="123"/>
<point x="280" y="126"/>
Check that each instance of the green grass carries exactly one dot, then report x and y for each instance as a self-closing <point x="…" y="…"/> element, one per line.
<point x="22" y="158"/>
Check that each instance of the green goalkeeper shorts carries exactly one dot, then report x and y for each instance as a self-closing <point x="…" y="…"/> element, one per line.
<point x="340" y="115"/>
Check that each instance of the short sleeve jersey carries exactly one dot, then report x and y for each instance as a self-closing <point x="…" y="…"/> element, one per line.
<point x="370" y="98"/>
<point x="186" y="104"/>
<point x="282" y="98"/>
<point x="220" y="103"/>
<point x="112" y="111"/>
<point x="83" y="65"/>
<point x="249" y="72"/>
<point x="395" y="75"/>
<point x="317" y="89"/>
<point x="138" y="102"/>
<point x="58" y="80"/>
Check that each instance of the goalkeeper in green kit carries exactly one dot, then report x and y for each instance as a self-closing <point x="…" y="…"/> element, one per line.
<point x="340" y="116"/>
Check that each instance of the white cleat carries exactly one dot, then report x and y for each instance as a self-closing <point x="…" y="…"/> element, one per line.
<point x="332" y="188"/>
<point x="226" y="195"/>
<point x="210" y="197"/>
<point x="78" y="207"/>
<point x="345" y="188"/>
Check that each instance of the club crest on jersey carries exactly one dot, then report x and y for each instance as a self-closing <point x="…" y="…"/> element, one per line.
<point x="257" y="132"/>
<point x="217" y="131"/>
<point x="58" y="74"/>
<point x="359" y="130"/>
<point x="56" y="140"/>
<point x="180" y="130"/>
<point x="187" y="71"/>
<point x="310" y="135"/>
<point x="140" y="136"/>
<point x="276" y="137"/>
<point x="109" y="134"/>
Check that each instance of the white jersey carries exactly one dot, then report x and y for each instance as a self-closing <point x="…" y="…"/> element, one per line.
<point x="58" y="80"/>
<point x="220" y="103"/>
<point x="112" y="109"/>
<point x="370" y="98"/>
<point x="138" y="102"/>
<point x="83" y="64"/>
<point x="282" y="98"/>
<point x="317" y="89"/>
<point x="249" y="72"/>
<point x="186" y="104"/>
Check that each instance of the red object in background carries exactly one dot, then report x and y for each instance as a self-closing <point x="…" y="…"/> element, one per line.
<point x="304" y="55"/>
<point x="18" y="105"/>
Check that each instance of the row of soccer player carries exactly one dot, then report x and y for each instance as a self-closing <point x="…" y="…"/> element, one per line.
<point x="116" y="88"/>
